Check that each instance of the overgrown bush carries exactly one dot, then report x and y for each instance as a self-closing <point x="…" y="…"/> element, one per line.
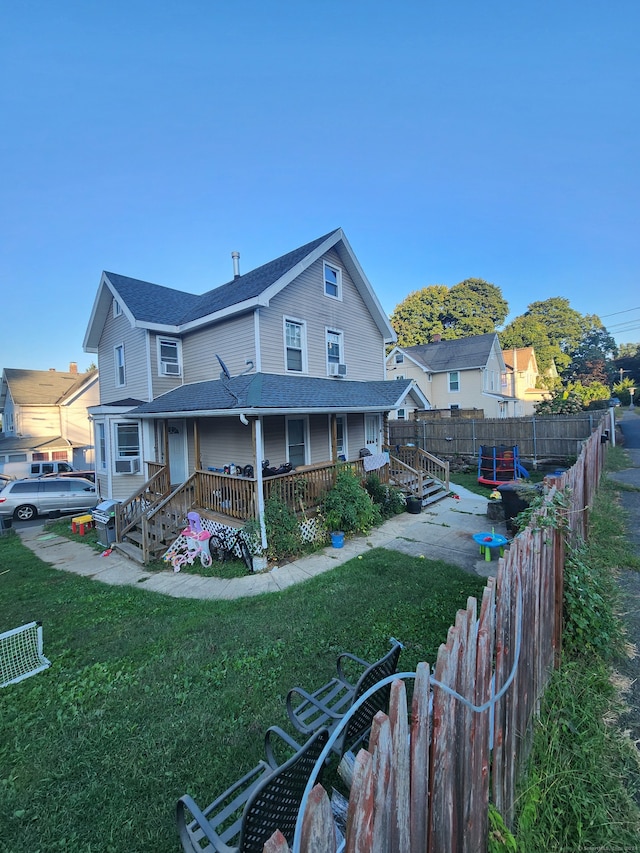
<point x="283" y="530"/>
<point x="349" y="507"/>
<point x="389" y="500"/>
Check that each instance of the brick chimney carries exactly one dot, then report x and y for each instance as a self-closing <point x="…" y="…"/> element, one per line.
<point x="73" y="367"/>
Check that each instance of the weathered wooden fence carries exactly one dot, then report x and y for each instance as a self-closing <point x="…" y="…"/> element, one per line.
<point x="425" y="782"/>
<point x="538" y="438"/>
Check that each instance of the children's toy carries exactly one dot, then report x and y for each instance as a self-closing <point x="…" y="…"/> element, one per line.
<point x="499" y="465"/>
<point x="193" y="543"/>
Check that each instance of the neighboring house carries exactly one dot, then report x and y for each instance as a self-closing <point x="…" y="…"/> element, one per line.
<point x="45" y="418"/>
<point x="522" y="373"/>
<point x="467" y="373"/>
<point x="285" y="363"/>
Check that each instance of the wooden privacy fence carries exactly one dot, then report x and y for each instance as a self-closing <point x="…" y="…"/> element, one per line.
<point x="538" y="438"/>
<point x="425" y="782"/>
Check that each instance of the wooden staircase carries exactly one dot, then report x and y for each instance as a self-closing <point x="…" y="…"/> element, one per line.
<point x="419" y="474"/>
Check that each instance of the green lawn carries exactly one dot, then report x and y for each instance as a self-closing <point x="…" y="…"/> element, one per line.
<point x="150" y="697"/>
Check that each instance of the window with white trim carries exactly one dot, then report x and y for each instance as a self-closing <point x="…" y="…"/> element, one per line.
<point x="402" y="414"/>
<point x="127" y="440"/>
<point x="454" y="380"/>
<point x="399" y="358"/>
<point x="101" y="444"/>
<point x="295" y="345"/>
<point x="332" y="281"/>
<point x="117" y="308"/>
<point x="121" y="377"/>
<point x="341" y="437"/>
<point x="335" y="351"/>
<point x="169" y="357"/>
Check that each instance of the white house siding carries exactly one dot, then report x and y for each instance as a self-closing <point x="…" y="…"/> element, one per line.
<point x="39" y="420"/>
<point x="304" y="299"/>
<point x="117" y="330"/>
<point x="233" y="341"/>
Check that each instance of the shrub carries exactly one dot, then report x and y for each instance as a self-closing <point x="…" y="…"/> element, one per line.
<point x="389" y="500"/>
<point x="349" y="507"/>
<point x="283" y="531"/>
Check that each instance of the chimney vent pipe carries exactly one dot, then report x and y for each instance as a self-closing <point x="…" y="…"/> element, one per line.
<point x="236" y="264"/>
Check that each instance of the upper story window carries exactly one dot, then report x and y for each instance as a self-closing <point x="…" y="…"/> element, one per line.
<point x="169" y="357"/>
<point x="332" y="281"/>
<point x="399" y="358"/>
<point x="295" y="345"/>
<point x="335" y="353"/>
<point x="454" y="380"/>
<point x="117" y="308"/>
<point x="402" y="414"/>
<point x="121" y="376"/>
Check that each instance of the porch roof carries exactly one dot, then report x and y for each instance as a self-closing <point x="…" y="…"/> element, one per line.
<point x="268" y="394"/>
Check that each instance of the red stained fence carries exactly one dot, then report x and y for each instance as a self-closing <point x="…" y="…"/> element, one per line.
<point x="425" y="782"/>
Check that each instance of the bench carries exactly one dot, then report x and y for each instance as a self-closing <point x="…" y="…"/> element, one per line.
<point x="326" y="706"/>
<point x="266" y="798"/>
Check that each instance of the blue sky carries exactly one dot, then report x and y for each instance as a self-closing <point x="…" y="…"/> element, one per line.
<point x="494" y="139"/>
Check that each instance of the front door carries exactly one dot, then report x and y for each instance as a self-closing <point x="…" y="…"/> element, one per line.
<point x="372" y="433"/>
<point x="177" y="452"/>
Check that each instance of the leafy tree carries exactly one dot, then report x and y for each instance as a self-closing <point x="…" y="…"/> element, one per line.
<point x="587" y="393"/>
<point x="472" y="307"/>
<point x="419" y="317"/>
<point x="563" y="402"/>
<point x="592" y="361"/>
<point x="628" y="350"/>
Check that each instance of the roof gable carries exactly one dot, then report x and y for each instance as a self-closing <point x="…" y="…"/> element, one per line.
<point x="166" y="309"/>
<point x="42" y="387"/>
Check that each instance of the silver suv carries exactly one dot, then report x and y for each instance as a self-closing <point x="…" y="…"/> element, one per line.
<point x="24" y="499"/>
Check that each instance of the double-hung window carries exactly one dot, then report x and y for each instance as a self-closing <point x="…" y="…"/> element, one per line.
<point x="101" y="442"/>
<point x="335" y="351"/>
<point x="295" y="336"/>
<point x="332" y="281"/>
<point x="454" y="380"/>
<point x="121" y="376"/>
<point x="169" y="357"/>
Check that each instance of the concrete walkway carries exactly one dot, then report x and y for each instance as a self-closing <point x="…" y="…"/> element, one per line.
<point x="441" y="532"/>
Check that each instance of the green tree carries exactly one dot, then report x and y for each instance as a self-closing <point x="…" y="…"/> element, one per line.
<point x="472" y="307"/>
<point x="592" y="360"/>
<point x="628" y="350"/>
<point x="528" y="331"/>
<point x="419" y="316"/>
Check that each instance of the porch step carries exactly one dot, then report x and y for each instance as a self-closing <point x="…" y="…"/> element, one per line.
<point x="128" y="550"/>
<point x="434" y="495"/>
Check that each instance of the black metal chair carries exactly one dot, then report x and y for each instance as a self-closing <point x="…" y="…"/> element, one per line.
<point x="248" y="813"/>
<point x="327" y="705"/>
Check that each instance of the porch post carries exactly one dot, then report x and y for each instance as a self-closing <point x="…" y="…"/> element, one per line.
<point x="165" y="423"/>
<point x="196" y="443"/>
<point x="385" y="429"/>
<point x="334" y="438"/>
<point x="258" y="452"/>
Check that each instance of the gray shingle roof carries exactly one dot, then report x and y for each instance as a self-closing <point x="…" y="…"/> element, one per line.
<point x="41" y="387"/>
<point x="154" y="303"/>
<point x="265" y="391"/>
<point x="461" y="354"/>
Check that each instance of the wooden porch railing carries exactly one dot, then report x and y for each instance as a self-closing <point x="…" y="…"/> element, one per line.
<point x="129" y="512"/>
<point x="421" y="460"/>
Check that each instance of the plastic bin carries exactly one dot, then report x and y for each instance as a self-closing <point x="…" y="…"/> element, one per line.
<point x="516" y="497"/>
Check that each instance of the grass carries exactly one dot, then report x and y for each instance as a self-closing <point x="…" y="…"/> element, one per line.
<point x="582" y="787"/>
<point x="149" y="697"/>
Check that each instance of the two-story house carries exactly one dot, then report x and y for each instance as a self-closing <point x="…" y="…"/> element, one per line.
<point x="524" y="376"/>
<point x="45" y="418"/>
<point x="285" y="363"/>
<point x="467" y="373"/>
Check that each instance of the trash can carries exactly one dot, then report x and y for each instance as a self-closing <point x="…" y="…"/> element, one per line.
<point x="104" y="516"/>
<point x="516" y="497"/>
<point x="5" y="525"/>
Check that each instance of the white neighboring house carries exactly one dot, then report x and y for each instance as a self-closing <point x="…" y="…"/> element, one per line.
<point x="523" y="373"/>
<point x="467" y="373"/>
<point x="45" y="418"/>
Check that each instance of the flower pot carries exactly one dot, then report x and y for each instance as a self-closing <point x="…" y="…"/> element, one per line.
<point x="337" y="539"/>
<point x="414" y="505"/>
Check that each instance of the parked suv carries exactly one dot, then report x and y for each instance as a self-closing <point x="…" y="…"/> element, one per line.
<point x="24" y="499"/>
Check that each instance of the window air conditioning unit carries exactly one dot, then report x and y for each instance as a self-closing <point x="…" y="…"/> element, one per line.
<point x="128" y="466"/>
<point x="171" y="369"/>
<point x="337" y="370"/>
